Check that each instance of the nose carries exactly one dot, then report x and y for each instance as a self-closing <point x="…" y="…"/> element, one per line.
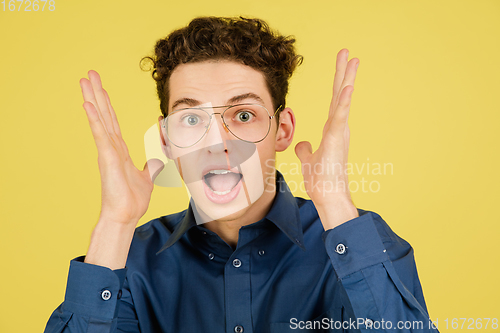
<point x="217" y="135"/>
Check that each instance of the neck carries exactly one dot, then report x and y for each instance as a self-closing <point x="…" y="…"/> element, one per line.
<point x="228" y="229"/>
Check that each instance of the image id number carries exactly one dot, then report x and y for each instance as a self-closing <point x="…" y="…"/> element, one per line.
<point x="28" y="5"/>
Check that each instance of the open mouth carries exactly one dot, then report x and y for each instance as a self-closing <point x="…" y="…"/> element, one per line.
<point x="222" y="182"/>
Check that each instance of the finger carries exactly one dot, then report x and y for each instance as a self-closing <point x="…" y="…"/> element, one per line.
<point x="88" y="96"/>
<point x="340" y="69"/>
<point x="349" y="77"/>
<point x="116" y="125"/>
<point x="303" y="149"/>
<point x="99" y="133"/>
<point x="341" y="115"/>
<point x="100" y="99"/>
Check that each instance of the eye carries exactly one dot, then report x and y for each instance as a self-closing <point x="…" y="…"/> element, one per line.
<point x="244" y="116"/>
<point x="190" y="120"/>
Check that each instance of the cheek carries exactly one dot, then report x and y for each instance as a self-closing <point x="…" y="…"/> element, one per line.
<point x="267" y="148"/>
<point x="267" y="155"/>
<point x="187" y="162"/>
<point x="183" y="153"/>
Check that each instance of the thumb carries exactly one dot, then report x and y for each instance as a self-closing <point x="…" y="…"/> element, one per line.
<point x="303" y="149"/>
<point x="153" y="167"/>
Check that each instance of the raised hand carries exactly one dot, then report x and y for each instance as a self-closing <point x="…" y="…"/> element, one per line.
<point x="126" y="191"/>
<point x="324" y="171"/>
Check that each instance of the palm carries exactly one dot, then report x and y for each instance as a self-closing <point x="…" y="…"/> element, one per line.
<point x="325" y="172"/>
<point x="126" y="190"/>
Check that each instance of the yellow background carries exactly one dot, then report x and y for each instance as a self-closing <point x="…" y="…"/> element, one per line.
<point x="425" y="100"/>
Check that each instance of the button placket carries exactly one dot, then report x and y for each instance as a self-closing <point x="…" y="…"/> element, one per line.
<point x="237" y="263"/>
<point x="238" y="291"/>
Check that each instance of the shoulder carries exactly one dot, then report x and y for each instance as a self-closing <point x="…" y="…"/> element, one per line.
<point x="150" y="237"/>
<point x="161" y="224"/>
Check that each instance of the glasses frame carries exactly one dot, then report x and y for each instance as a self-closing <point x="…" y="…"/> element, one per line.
<point x="222" y="118"/>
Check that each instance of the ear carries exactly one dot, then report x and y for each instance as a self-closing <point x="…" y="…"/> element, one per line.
<point x="165" y="143"/>
<point x="286" y="129"/>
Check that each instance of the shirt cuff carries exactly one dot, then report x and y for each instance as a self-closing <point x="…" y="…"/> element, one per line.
<point x="354" y="245"/>
<point x="93" y="290"/>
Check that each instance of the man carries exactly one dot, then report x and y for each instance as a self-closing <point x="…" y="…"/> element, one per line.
<point x="246" y="256"/>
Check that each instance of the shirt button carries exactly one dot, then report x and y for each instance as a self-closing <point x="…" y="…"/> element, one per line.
<point x="204" y="232"/>
<point x="340" y="249"/>
<point x="237" y="263"/>
<point x="368" y="323"/>
<point x="211" y="256"/>
<point x="106" y="295"/>
<point x="261" y="252"/>
<point x="238" y="329"/>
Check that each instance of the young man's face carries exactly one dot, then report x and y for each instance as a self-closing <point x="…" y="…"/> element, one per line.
<point x="225" y="176"/>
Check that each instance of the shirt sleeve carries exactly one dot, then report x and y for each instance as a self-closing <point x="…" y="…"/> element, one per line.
<point x="379" y="276"/>
<point x="92" y="299"/>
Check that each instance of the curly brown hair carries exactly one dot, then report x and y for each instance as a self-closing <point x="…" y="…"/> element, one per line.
<point x="248" y="41"/>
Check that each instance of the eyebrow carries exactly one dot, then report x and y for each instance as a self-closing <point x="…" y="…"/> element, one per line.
<point x="242" y="97"/>
<point x="191" y="102"/>
<point x="187" y="101"/>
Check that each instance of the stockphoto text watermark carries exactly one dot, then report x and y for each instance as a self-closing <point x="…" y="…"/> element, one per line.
<point x="336" y="173"/>
<point x="359" y="323"/>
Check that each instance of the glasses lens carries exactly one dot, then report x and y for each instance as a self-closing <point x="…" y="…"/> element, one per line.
<point x="186" y="127"/>
<point x="248" y="122"/>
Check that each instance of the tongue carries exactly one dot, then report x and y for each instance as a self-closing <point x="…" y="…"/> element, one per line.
<point x="224" y="182"/>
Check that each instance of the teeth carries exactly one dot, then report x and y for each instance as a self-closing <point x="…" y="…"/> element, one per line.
<point x="219" y="172"/>
<point x="221" y="193"/>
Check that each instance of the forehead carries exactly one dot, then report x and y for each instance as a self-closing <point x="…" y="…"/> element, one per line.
<point x="216" y="82"/>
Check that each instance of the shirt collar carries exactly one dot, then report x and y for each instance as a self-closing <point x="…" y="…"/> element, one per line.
<point x="284" y="213"/>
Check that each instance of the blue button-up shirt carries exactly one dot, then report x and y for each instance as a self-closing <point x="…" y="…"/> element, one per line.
<point x="286" y="275"/>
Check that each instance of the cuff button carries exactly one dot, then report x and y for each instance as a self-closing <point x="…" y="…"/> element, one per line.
<point x="106" y="295"/>
<point x="341" y="248"/>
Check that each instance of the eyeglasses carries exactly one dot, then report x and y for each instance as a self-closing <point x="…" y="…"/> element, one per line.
<point x="247" y="122"/>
